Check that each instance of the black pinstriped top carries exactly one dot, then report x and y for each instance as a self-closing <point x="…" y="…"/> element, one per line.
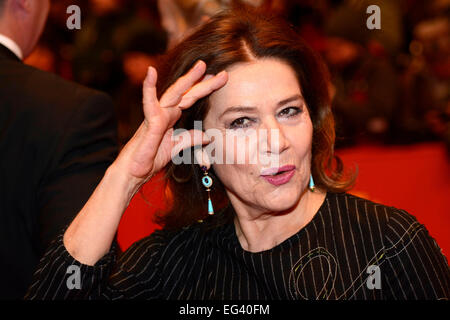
<point x="352" y="249"/>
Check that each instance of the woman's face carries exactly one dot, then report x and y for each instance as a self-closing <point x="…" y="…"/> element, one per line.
<point x="263" y="106"/>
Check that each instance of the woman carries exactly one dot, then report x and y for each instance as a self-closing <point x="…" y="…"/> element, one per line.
<point x="283" y="231"/>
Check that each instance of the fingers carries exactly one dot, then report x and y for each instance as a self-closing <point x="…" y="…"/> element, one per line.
<point x="205" y="87"/>
<point x="149" y="87"/>
<point x="188" y="139"/>
<point x="174" y="94"/>
<point x="149" y="95"/>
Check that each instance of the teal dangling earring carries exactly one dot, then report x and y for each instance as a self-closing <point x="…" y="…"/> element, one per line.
<point x="207" y="182"/>
<point x="312" y="186"/>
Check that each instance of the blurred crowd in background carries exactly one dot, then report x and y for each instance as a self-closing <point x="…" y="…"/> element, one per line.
<point x="389" y="86"/>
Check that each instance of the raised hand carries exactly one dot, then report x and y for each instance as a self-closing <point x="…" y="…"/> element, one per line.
<point x="152" y="146"/>
<point x="91" y="233"/>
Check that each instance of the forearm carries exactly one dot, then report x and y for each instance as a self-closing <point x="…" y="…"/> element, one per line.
<point x="90" y="235"/>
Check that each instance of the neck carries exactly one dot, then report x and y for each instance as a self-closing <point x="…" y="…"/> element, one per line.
<point x="263" y="231"/>
<point x="16" y="32"/>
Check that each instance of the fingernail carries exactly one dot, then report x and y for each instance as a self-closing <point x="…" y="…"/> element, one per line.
<point x="207" y="77"/>
<point x="221" y="73"/>
<point x="149" y="71"/>
<point x="148" y="75"/>
<point x="197" y="64"/>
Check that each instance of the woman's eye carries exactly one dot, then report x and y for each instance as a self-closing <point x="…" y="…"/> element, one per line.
<point x="290" y="111"/>
<point x="243" y="122"/>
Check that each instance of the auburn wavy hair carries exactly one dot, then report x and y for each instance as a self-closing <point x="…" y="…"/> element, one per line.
<point x="243" y="34"/>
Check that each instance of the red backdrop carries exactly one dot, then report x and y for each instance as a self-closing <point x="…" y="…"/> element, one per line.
<point x="414" y="178"/>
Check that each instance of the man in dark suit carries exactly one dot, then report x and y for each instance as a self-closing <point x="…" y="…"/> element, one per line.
<point x="57" y="139"/>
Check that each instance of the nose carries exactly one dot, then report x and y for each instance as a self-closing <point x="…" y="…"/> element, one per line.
<point x="272" y="137"/>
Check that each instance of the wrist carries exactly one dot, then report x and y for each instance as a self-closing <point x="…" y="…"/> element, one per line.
<point x="126" y="183"/>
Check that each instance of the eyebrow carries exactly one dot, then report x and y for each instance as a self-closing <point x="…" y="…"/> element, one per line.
<point x="250" y="109"/>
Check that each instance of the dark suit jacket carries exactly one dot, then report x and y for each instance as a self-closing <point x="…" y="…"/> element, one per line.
<point x="57" y="139"/>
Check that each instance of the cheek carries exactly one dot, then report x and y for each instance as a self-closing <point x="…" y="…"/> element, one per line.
<point x="234" y="147"/>
<point x="241" y="150"/>
<point x="239" y="168"/>
<point x="302" y="143"/>
<point x="234" y="177"/>
<point x="300" y="138"/>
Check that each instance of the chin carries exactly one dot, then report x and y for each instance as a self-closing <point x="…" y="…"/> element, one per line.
<point x="282" y="202"/>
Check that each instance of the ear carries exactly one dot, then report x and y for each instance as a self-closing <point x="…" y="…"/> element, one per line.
<point x="202" y="157"/>
<point x="21" y="5"/>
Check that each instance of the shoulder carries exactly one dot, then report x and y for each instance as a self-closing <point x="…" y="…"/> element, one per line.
<point x="38" y="101"/>
<point x="394" y="228"/>
<point x="361" y="210"/>
<point x="405" y="232"/>
<point x="387" y="217"/>
<point x="38" y="90"/>
<point x="373" y="219"/>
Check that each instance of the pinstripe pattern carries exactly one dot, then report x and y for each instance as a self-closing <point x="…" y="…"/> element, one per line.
<point x="327" y="259"/>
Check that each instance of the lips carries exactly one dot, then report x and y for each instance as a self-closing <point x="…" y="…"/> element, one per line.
<point x="274" y="171"/>
<point x="278" y="176"/>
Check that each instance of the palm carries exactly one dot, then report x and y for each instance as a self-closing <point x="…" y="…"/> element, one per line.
<point x="164" y="152"/>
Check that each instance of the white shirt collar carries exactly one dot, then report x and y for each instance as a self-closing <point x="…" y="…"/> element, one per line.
<point x="11" y="45"/>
